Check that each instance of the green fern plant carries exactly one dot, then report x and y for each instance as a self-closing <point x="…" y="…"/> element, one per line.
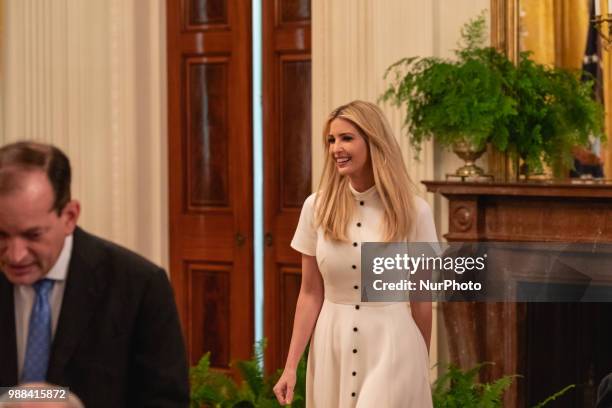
<point x="556" y="112"/>
<point x="458" y="388"/>
<point x="531" y="111"/>
<point x="460" y="100"/>
<point x="213" y="389"/>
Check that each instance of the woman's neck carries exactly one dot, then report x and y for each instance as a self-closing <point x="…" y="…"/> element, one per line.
<point x="362" y="183"/>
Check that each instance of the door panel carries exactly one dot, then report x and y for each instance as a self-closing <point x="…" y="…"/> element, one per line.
<point x="294" y="11"/>
<point x="295" y="130"/>
<point x="207" y="150"/>
<point x="205" y="12"/>
<point x="209" y="293"/>
<point x="210" y="175"/>
<point x="287" y="149"/>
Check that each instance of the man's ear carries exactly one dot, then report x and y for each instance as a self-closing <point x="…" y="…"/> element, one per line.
<point x="70" y="214"/>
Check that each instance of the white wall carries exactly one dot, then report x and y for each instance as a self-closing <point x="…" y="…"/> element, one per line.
<point x="89" y="76"/>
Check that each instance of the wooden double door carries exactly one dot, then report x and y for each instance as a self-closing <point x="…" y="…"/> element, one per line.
<point x="210" y="143"/>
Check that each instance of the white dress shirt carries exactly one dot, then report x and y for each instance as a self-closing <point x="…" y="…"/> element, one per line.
<point x="25" y="295"/>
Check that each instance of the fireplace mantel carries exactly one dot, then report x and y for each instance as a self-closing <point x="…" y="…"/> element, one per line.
<point x="516" y="336"/>
<point x="533" y="211"/>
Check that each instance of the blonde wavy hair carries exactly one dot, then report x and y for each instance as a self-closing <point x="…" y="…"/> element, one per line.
<point x="335" y="204"/>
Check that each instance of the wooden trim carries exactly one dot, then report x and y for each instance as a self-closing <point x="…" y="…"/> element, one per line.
<point x="504" y="37"/>
<point x="282" y="42"/>
<point x="534" y="189"/>
<point x="209" y="235"/>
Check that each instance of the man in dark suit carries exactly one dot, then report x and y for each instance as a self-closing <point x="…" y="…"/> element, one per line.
<point x="75" y="310"/>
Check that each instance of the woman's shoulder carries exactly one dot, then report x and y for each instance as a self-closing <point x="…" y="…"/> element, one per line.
<point x="421" y="206"/>
<point x="309" y="203"/>
<point x="425" y="228"/>
<point x="310" y="200"/>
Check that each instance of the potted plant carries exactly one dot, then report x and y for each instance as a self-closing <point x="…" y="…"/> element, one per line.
<point x="535" y="113"/>
<point x="556" y="111"/>
<point x="463" y="103"/>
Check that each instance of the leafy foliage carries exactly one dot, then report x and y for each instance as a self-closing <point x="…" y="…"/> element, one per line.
<point x="455" y="100"/>
<point x="454" y="389"/>
<point x="555" y="113"/>
<point x="214" y="389"/>
<point x="460" y="389"/>
<point x="534" y="112"/>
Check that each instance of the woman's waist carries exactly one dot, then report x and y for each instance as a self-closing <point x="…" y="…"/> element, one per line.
<point x="353" y="295"/>
<point x="348" y="301"/>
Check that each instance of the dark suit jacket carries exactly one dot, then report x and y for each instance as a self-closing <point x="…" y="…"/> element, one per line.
<point x="118" y="341"/>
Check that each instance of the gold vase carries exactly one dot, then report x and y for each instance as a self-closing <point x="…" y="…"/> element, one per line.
<point x="469" y="153"/>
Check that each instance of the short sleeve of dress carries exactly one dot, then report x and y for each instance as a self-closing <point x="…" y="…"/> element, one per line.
<point x="425" y="228"/>
<point x="305" y="237"/>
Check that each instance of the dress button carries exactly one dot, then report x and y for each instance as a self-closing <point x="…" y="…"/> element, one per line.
<point x="354" y="373"/>
<point x="354" y="351"/>
<point x="359" y="224"/>
<point x="352" y="394"/>
<point x="354" y="329"/>
<point x="356" y="287"/>
<point x="354" y="244"/>
<point x="361" y="203"/>
<point x="354" y="267"/>
<point x="357" y="307"/>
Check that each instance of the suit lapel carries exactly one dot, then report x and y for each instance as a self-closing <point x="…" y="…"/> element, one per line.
<point x="8" y="342"/>
<point x="84" y="286"/>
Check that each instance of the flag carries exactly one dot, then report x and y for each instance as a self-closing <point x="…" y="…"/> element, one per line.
<point x="591" y="64"/>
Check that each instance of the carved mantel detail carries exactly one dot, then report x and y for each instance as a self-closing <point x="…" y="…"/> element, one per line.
<point x="463" y="214"/>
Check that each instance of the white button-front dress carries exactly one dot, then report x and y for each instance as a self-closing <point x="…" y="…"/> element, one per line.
<point x="362" y="354"/>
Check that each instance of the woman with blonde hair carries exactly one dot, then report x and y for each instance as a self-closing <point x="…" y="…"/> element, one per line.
<point x="361" y="354"/>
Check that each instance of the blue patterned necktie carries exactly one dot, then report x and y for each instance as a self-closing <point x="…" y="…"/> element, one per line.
<point x="39" y="335"/>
